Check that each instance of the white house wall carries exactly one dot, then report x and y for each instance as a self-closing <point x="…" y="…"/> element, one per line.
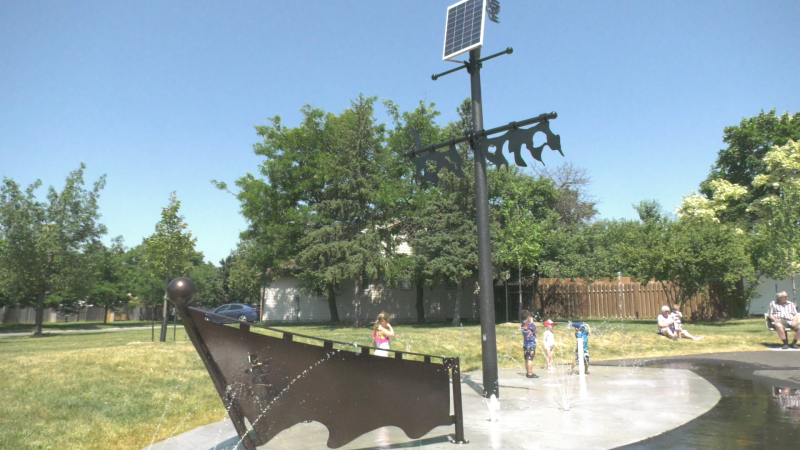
<point x="766" y="290"/>
<point x="280" y="303"/>
<point x="285" y="302"/>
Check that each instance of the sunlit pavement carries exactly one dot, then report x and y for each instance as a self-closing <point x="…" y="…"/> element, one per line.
<point x="613" y="406"/>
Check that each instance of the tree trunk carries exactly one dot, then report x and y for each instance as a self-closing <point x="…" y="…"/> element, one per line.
<point x="357" y="306"/>
<point x="457" y="311"/>
<point x="420" y="305"/>
<point x="105" y="315"/>
<point x="332" y="305"/>
<point x="39" y="314"/>
<point x="536" y="306"/>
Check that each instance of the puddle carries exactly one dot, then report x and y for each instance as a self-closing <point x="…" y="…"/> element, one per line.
<point x="752" y="413"/>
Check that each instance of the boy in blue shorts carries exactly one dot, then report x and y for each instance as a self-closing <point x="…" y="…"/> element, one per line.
<point x="581" y="331"/>
<point x="528" y="342"/>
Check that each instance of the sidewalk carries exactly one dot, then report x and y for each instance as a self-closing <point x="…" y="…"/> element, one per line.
<point x="613" y="406"/>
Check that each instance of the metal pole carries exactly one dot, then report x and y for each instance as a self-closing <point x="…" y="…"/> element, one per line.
<point x="457" y="404"/>
<point x="174" y="324"/>
<point x="488" y="338"/>
<point x="164" y="321"/>
<point x="506" y="286"/>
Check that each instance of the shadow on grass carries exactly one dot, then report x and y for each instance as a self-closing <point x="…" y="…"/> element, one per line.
<point x="776" y="346"/>
<point x="327" y="326"/>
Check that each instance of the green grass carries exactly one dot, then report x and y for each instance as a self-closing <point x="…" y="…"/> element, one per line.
<point x="110" y="390"/>
<point x="29" y="327"/>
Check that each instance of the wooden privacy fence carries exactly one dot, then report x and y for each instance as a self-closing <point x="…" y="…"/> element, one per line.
<point x="606" y="300"/>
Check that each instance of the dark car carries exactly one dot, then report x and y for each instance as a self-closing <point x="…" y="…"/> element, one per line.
<point x="233" y="312"/>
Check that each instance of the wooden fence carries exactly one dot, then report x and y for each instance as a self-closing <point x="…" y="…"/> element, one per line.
<point x="606" y="300"/>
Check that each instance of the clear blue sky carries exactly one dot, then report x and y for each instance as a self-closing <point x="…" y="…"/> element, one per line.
<point x="163" y="96"/>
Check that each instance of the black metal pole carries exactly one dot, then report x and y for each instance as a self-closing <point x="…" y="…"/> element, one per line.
<point x="164" y="321"/>
<point x="458" y="411"/>
<point x="174" y="324"/>
<point x="485" y="281"/>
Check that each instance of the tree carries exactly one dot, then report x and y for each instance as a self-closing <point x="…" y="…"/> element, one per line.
<point x="145" y="287"/>
<point x="411" y="268"/>
<point x="345" y="236"/>
<point x="45" y="242"/>
<point x="574" y="204"/>
<point x="110" y="286"/>
<point x="691" y="256"/>
<point x="778" y="212"/>
<point x="246" y="276"/>
<point x="208" y="280"/>
<point x="322" y="213"/>
<point x="524" y="208"/>
<point x="743" y="160"/>
<point x="170" y="250"/>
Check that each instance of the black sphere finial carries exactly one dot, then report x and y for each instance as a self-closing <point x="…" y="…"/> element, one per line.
<point x="181" y="291"/>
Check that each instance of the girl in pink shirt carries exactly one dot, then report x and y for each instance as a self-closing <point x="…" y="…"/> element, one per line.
<point x="381" y="334"/>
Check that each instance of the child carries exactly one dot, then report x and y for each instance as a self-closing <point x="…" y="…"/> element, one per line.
<point x="676" y="323"/>
<point x="549" y="343"/>
<point x="381" y="333"/>
<point x="528" y="342"/>
<point x="581" y="331"/>
<point x="676" y="319"/>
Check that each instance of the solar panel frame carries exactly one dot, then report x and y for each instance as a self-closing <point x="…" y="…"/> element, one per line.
<point x="461" y="24"/>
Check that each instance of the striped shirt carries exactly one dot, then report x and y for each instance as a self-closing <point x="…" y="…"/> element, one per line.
<point x="785" y="311"/>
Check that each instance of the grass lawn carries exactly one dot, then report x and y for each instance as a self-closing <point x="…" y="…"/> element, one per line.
<point x="111" y="390"/>
<point x="29" y="327"/>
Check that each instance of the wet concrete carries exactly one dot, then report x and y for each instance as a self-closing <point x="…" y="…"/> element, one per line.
<point x="613" y="406"/>
<point x="759" y="408"/>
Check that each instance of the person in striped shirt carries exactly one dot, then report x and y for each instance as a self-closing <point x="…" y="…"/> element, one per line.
<point x="783" y="314"/>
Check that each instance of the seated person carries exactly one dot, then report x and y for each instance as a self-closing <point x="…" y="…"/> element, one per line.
<point x="783" y="314"/>
<point x="666" y="326"/>
<point x="676" y="323"/>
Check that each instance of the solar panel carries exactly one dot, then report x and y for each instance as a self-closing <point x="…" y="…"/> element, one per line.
<point x="464" y="29"/>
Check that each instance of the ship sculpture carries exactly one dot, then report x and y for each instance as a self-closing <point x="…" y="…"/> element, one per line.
<point x="271" y="382"/>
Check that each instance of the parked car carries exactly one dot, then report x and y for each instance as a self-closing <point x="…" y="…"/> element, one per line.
<point x="234" y="312"/>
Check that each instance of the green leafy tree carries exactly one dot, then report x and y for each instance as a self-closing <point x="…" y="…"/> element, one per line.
<point x="743" y="160"/>
<point x="321" y="211"/>
<point x="46" y="241"/>
<point x="110" y="284"/>
<point x="412" y="196"/>
<point x="246" y="276"/>
<point x="691" y="256"/>
<point x="778" y="212"/>
<point x="145" y="288"/>
<point x="208" y="280"/>
<point x="441" y="228"/>
<point x="525" y="216"/>
<point x="170" y="251"/>
<point x="345" y="236"/>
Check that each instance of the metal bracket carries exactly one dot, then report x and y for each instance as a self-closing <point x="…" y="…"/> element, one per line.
<point x="515" y="136"/>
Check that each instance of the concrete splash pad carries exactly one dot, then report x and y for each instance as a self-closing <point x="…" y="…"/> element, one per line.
<point x="613" y="406"/>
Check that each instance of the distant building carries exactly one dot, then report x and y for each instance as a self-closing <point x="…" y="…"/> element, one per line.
<point x="766" y="290"/>
<point x="284" y="301"/>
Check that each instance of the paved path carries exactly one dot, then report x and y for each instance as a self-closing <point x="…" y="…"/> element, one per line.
<point x="613" y="406"/>
<point x="102" y="330"/>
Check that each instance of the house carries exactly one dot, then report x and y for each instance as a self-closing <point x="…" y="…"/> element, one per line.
<point x="284" y="301"/>
<point x="766" y="290"/>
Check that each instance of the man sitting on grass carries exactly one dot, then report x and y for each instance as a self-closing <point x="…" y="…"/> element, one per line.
<point x="783" y="314"/>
